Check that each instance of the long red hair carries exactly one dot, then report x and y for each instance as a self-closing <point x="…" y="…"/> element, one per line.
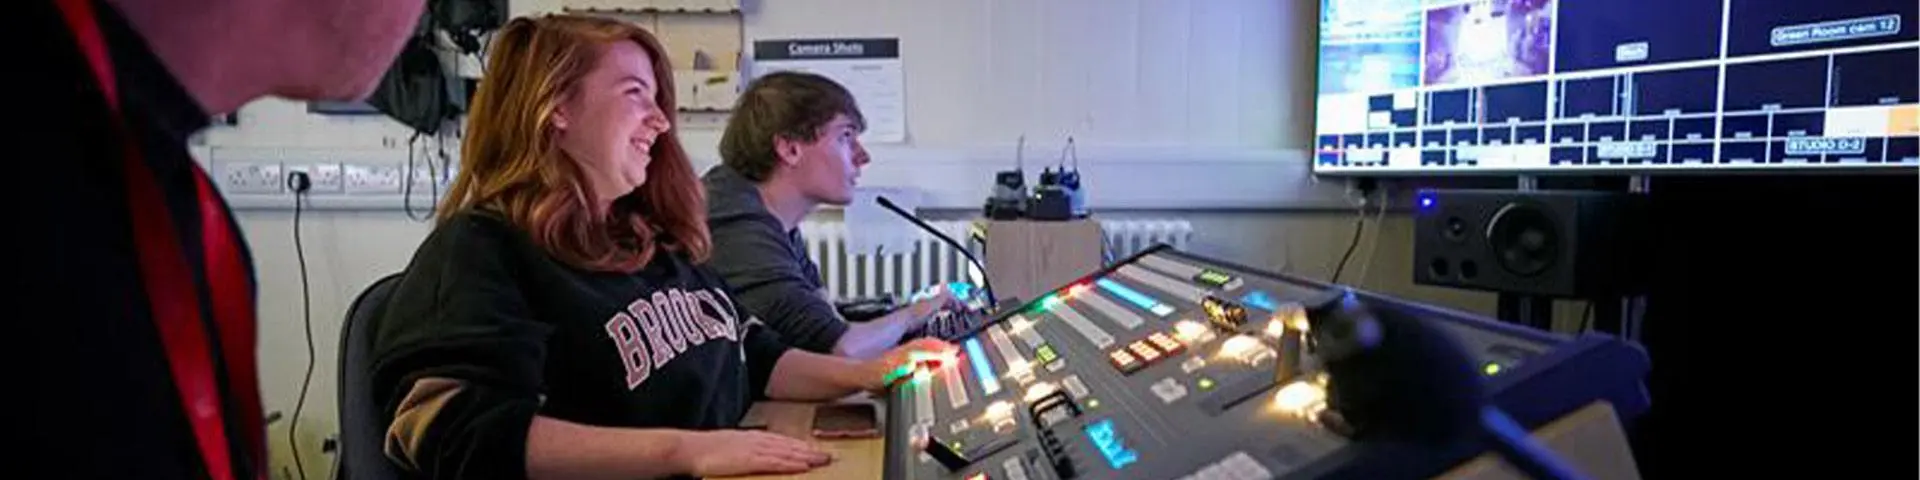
<point x="511" y="164"/>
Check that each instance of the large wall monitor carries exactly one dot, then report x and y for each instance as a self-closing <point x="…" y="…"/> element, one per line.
<point x="1547" y="86"/>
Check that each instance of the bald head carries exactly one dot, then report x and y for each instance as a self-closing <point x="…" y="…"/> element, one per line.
<point x="229" y="52"/>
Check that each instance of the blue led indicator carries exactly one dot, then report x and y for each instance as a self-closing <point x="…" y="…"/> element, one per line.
<point x="989" y="383"/>
<point x="1134" y="297"/>
<point x="1260" y="300"/>
<point x="1426" y="200"/>
<point x="1108" y="442"/>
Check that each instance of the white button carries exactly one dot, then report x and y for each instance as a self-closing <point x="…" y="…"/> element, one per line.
<point x="1015" y="469"/>
<point x="1244" y="467"/>
<point x="1193" y="363"/>
<point x="1169" y="390"/>
<point x="1075" y="387"/>
<point x="957" y="426"/>
<point x="1056" y="364"/>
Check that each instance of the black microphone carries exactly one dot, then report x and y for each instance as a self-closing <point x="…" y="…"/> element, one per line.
<point x="985" y="285"/>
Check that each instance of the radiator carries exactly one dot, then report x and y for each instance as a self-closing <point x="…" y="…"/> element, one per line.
<point x="853" y="274"/>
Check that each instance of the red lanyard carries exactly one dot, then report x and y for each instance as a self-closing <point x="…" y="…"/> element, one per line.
<point x="170" y="284"/>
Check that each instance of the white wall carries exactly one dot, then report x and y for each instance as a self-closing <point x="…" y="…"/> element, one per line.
<point x="1174" y="104"/>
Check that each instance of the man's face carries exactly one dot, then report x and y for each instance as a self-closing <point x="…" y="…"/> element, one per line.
<point x="342" y="47"/>
<point x="826" y="169"/>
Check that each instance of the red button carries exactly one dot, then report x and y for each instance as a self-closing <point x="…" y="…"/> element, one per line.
<point x="1167" y="344"/>
<point x="1145" y="351"/>
<point x="1124" y="361"/>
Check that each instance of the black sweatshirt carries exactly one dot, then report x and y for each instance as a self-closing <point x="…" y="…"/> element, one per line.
<point x="522" y="333"/>
<point x="768" y="265"/>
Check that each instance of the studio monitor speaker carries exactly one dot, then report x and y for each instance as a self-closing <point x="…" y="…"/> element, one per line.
<point x="1546" y="243"/>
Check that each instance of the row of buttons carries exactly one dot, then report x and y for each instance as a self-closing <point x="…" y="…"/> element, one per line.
<point x="1143" y="353"/>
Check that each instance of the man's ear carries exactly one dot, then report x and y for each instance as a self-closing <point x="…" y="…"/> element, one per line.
<point x="787" y="149"/>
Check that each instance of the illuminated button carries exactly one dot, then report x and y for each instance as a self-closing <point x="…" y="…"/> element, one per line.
<point x="1144" y="350"/>
<point x="1124" y="361"/>
<point x="1205" y="383"/>
<point x="1045" y="353"/>
<point x="1189" y="331"/>
<point x="1247" y="350"/>
<point x="1111" y="444"/>
<point x="1491" y="369"/>
<point x="1040" y="389"/>
<point x="1093" y="404"/>
<point x="1213" y="278"/>
<point x="1299" y="398"/>
<point x="1020" y="371"/>
<point x="978" y="476"/>
<point x="1238" y="346"/>
<point x="1078" y="290"/>
<point x="1276" y="327"/>
<point x="1165" y="343"/>
<point x="1192" y="364"/>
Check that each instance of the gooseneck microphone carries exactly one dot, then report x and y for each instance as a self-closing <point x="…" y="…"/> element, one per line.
<point x="985" y="285"/>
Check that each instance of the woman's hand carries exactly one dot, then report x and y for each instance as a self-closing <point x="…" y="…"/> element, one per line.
<point x="724" y="453"/>
<point x="899" y="363"/>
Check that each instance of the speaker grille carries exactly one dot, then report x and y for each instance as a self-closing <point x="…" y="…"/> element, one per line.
<point x="1525" y="239"/>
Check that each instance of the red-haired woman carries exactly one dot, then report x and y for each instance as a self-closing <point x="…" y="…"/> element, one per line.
<point x="558" y="321"/>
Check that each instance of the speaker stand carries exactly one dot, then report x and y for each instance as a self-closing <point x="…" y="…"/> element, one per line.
<point x="1529" y="310"/>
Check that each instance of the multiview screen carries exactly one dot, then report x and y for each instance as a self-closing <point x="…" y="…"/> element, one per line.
<point x="1431" y="86"/>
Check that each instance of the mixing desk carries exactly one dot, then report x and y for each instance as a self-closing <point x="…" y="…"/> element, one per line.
<point x="1168" y="365"/>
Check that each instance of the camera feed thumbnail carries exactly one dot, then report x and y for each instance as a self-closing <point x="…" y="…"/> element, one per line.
<point x="1369" y="45"/>
<point x="1486" y="40"/>
<point x="1773" y="26"/>
<point x="1615" y="33"/>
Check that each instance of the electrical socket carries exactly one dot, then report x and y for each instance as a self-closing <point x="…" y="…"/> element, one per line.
<point x="251" y="177"/>
<point x="372" y="179"/>
<point x="326" y="177"/>
<point x="425" y="179"/>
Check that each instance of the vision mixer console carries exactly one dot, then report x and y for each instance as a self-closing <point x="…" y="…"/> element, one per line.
<point x="1169" y="365"/>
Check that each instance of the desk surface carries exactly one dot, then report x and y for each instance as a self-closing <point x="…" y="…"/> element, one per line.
<point x="852" y="459"/>
<point x="1590" y="438"/>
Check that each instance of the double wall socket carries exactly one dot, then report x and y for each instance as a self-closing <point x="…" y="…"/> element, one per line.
<point x="364" y="179"/>
<point x="250" y="177"/>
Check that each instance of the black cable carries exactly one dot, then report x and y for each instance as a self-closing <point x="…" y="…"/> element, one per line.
<point x="406" y="185"/>
<point x="1359" y="224"/>
<point x="306" y="315"/>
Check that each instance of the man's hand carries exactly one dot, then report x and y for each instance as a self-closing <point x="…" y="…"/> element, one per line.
<point x="721" y="453"/>
<point x="921" y="311"/>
